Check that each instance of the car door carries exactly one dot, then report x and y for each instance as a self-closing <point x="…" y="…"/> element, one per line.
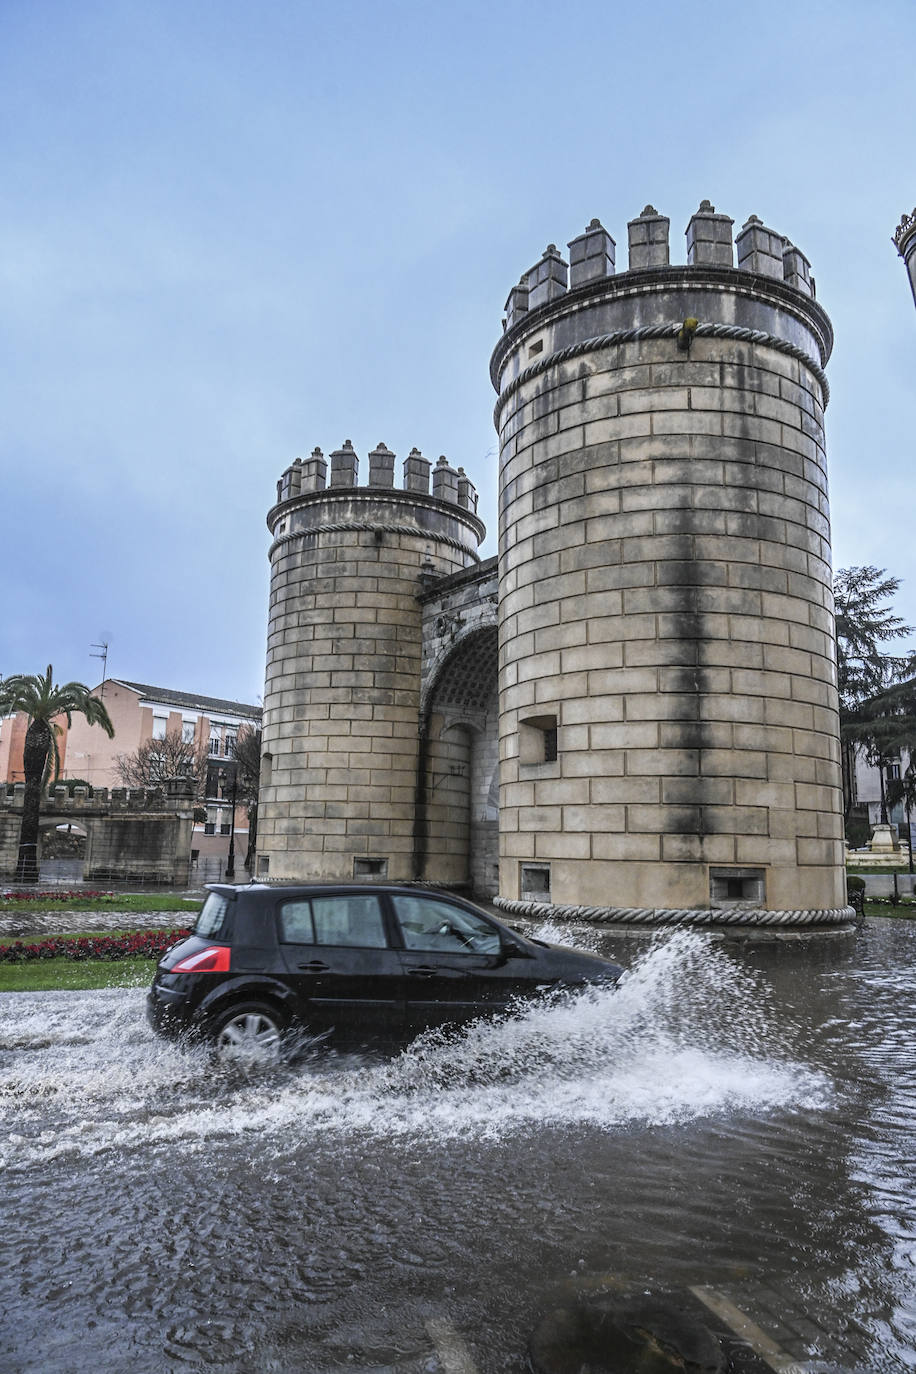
<point x="341" y="965"/>
<point x="454" y="962"/>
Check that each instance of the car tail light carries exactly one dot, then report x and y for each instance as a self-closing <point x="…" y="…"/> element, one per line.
<point x="213" y="959"/>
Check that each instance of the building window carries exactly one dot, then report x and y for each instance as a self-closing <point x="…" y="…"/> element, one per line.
<point x="230" y="744"/>
<point x="893" y="772"/>
<point x="225" y="828"/>
<point x="209" y="828"/>
<point x="160" y="726"/>
<point x="737" y="887"/>
<point x="214" y="743"/>
<point x="534" y="882"/>
<point x="370" y="868"/>
<point x="187" y="731"/>
<point x="537" y="739"/>
<point x="263" y="865"/>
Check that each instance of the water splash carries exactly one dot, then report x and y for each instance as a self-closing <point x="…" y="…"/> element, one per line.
<point x="685" y="1034"/>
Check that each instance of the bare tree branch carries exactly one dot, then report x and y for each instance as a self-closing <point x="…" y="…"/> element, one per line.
<point x="159" y="759"/>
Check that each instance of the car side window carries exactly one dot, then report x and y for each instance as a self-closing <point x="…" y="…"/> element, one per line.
<point x="352" y="919"/>
<point x="431" y="925"/>
<point x="296" y="923"/>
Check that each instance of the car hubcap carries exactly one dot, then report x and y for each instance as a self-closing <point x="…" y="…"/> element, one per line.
<point x="249" y="1035"/>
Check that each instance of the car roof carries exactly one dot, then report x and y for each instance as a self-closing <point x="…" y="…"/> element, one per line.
<point x="289" y="889"/>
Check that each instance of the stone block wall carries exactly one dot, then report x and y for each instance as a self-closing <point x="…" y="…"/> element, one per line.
<point x="149" y="849"/>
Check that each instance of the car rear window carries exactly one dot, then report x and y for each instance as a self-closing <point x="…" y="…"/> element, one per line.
<point x="212" y="915"/>
<point x="353" y="920"/>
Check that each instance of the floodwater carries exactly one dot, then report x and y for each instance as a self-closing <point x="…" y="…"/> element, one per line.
<point x="734" y="1117"/>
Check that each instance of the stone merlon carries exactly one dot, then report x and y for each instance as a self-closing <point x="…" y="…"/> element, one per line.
<point x="710" y="243"/>
<point x="307" y="475"/>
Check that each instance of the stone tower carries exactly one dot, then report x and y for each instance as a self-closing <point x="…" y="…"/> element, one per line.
<point x="905" y="239"/>
<point x="668" y="712"/>
<point x="342" y="693"/>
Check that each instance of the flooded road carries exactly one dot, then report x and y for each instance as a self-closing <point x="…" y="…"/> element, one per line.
<point x="734" y="1118"/>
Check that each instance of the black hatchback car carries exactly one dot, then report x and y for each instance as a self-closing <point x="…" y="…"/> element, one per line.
<point x="268" y="966"/>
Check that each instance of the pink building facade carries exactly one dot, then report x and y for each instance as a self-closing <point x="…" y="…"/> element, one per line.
<point x="139" y="713"/>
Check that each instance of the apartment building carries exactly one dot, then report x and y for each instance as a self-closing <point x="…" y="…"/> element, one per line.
<point x="141" y="712"/>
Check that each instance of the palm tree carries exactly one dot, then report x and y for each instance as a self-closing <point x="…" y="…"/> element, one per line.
<point x="42" y="702"/>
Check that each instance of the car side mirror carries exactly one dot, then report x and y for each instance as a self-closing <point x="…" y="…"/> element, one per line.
<point x="513" y="950"/>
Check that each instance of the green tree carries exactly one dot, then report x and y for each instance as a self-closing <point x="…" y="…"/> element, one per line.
<point x="903" y="789"/>
<point x="868" y="676"/>
<point x="248" y="758"/>
<point x="43" y="701"/>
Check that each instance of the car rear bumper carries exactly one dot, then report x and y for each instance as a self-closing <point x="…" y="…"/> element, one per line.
<point x="168" y="1010"/>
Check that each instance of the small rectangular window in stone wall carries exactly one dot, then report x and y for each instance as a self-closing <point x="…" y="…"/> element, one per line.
<point x="535" y="882"/>
<point x="370" y="868"/>
<point x="737" y="887"/>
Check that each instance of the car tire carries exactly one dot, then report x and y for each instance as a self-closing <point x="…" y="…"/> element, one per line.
<point x="249" y="1031"/>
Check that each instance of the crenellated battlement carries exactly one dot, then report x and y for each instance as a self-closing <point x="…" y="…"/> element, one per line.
<point x="94" y="800"/>
<point x="905" y="230"/>
<point x="905" y="242"/>
<point x="710" y="243"/>
<point x="310" y="474"/>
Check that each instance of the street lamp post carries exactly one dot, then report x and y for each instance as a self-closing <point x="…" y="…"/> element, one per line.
<point x="233" y="770"/>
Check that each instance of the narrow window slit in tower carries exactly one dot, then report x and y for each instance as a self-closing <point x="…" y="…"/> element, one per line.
<point x="537" y="740"/>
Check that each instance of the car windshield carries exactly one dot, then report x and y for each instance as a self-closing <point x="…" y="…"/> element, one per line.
<point x="211" y="916"/>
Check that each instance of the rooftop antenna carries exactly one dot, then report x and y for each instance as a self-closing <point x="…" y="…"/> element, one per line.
<point x="104" y="657"/>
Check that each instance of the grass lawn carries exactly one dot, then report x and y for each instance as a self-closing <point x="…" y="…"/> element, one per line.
<point x="117" y="901"/>
<point x="882" y="871"/>
<point x="904" y="911"/>
<point x="55" y="975"/>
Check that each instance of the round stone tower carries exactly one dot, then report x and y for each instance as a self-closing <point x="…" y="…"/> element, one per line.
<point x="905" y="240"/>
<point x="342" y="693"/>
<point x="669" y="743"/>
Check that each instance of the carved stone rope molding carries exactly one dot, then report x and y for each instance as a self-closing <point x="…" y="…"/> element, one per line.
<point x="348" y="526"/>
<point x="661" y="331"/>
<point x="687" y="916"/>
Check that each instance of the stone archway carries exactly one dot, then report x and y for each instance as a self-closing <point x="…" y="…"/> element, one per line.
<point x="457" y="787"/>
<point x="62" y="850"/>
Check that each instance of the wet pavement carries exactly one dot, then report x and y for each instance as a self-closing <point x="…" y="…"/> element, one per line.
<point x="734" y="1123"/>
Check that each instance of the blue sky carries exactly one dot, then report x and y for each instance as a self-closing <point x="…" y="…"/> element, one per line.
<point x="231" y="232"/>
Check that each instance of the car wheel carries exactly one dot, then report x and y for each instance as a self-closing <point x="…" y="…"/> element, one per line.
<point x="249" y="1031"/>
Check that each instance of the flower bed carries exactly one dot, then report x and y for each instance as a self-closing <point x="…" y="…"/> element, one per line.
<point x="79" y="895"/>
<point x="141" y="944"/>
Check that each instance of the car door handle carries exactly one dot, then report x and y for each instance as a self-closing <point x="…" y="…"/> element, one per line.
<point x="423" y="971"/>
<point x="315" y="966"/>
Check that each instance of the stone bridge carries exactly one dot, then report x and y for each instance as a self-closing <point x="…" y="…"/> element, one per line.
<point x="132" y="834"/>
